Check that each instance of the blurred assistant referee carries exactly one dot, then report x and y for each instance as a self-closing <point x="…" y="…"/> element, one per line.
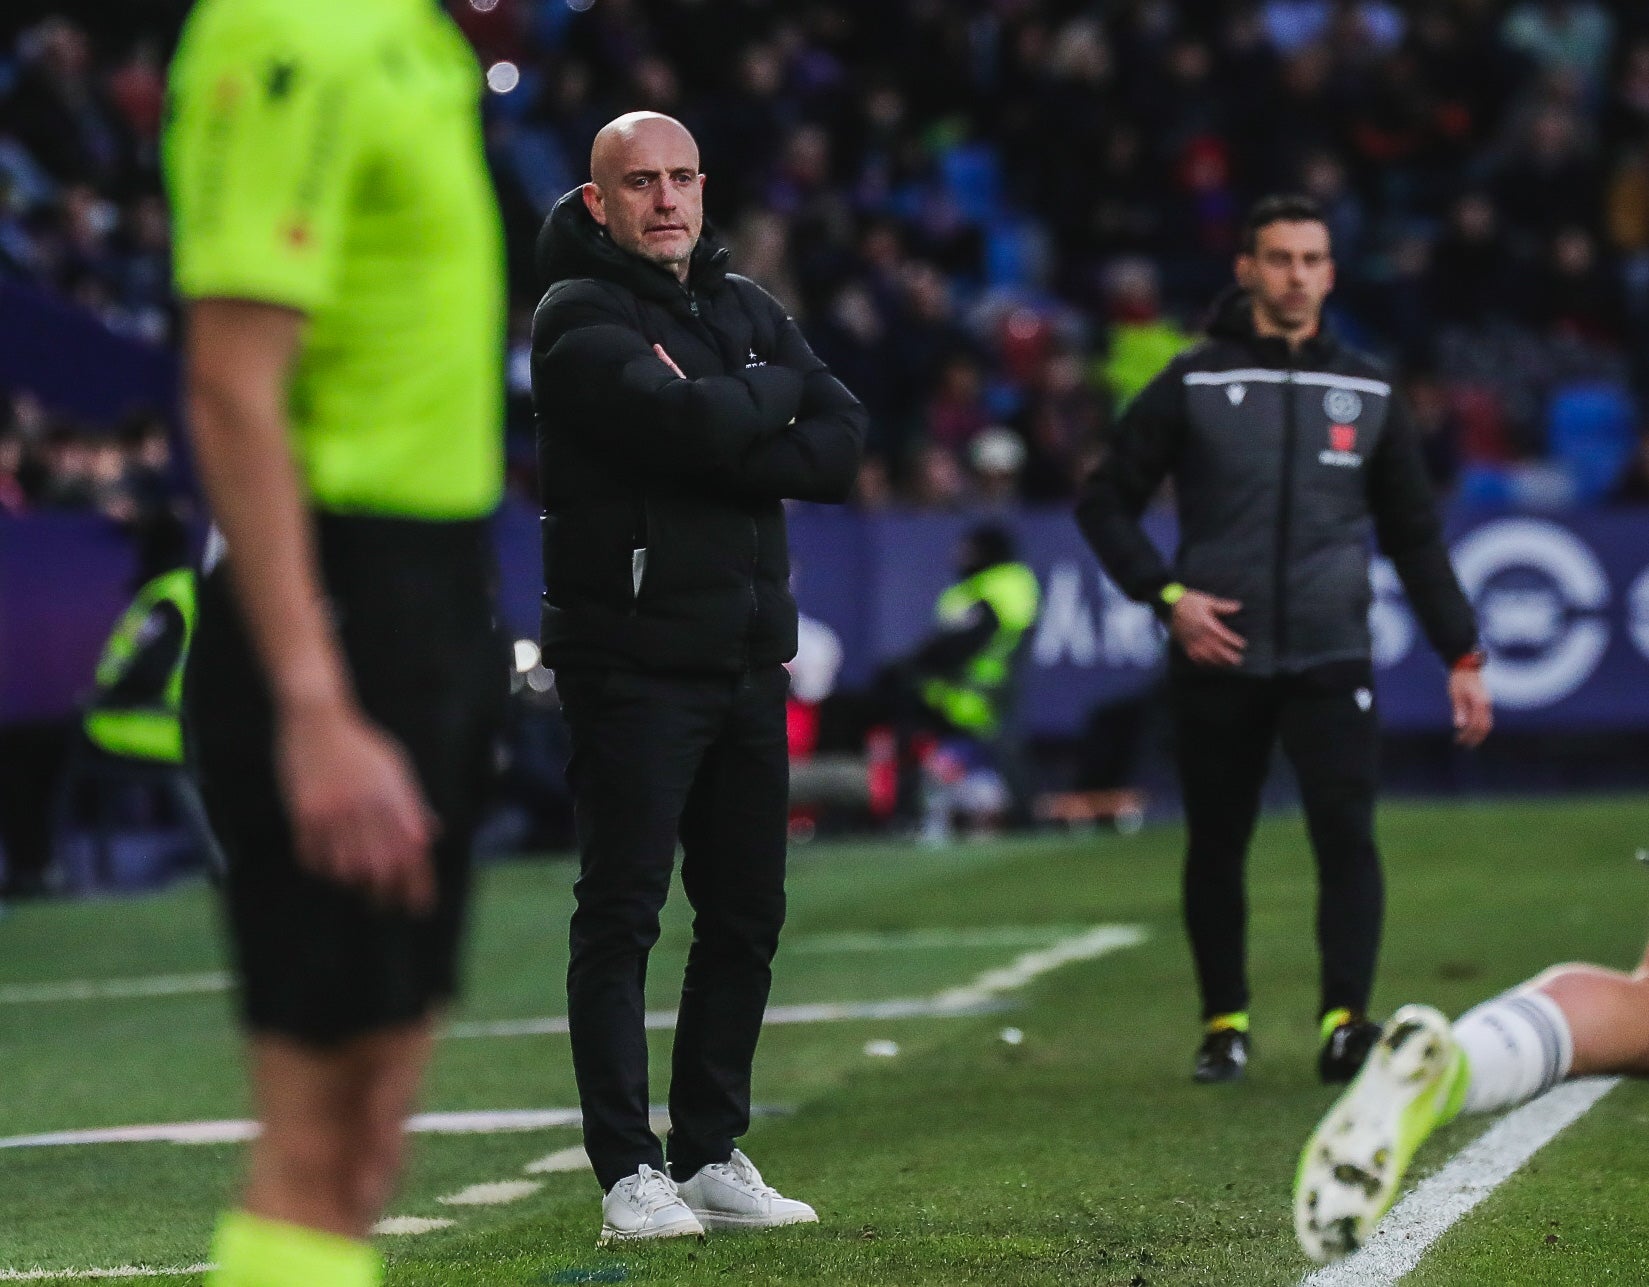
<point x="1286" y="449"/>
<point x="338" y="247"/>
<point x="678" y="407"/>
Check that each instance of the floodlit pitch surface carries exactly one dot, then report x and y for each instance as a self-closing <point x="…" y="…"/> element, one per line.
<point x="1084" y="1154"/>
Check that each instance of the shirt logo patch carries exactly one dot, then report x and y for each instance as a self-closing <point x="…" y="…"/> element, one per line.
<point x="1342" y="437"/>
<point x="1364" y="698"/>
<point x="1236" y="392"/>
<point x="1342" y="405"/>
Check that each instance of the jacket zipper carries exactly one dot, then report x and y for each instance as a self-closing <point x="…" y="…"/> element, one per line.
<point x="1285" y="506"/>
<point x="755" y="530"/>
<point x="755" y="603"/>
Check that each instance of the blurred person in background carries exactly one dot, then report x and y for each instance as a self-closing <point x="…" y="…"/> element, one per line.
<point x="1286" y="447"/>
<point x="952" y="701"/>
<point x="344" y="681"/>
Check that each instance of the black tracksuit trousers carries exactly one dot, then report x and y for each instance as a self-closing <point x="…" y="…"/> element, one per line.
<point x="1226" y="725"/>
<point x="656" y="758"/>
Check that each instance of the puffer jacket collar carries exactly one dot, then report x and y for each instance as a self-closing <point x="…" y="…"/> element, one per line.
<point x="572" y="244"/>
<point x="1232" y="318"/>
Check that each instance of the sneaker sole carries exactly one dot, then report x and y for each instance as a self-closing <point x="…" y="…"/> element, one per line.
<point x="1350" y="1169"/>
<point x="721" y="1220"/>
<point x="681" y="1229"/>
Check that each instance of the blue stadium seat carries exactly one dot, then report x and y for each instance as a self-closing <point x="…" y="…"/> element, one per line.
<point x="1591" y="430"/>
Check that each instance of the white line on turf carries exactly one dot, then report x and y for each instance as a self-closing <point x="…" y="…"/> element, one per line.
<point x="563" y="1159"/>
<point x="989" y="986"/>
<point x="501" y="1122"/>
<point x="498" y="1122"/>
<point x="981" y="996"/>
<point x="922" y="939"/>
<point x="119" y="1271"/>
<point x="496" y="1194"/>
<point x="158" y="985"/>
<point x="1441" y="1199"/>
<point x="408" y="1226"/>
<point x="173" y="985"/>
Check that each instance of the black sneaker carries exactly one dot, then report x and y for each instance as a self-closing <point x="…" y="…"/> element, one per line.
<point x="1347" y="1046"/>
<point x="1223" y="1056"/>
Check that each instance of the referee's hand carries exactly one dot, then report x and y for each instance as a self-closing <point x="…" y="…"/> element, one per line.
<point x="1196" y="627"/>
<point x="358" y="815"/>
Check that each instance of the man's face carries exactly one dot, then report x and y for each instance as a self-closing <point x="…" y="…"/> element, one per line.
<point x="1289" y="275"/>
<point x="649" y="195"/>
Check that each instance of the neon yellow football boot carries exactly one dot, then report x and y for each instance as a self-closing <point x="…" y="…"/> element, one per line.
<point x="1353" y="1164"/>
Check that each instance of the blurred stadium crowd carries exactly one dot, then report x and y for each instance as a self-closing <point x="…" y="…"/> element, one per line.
<point x="996" y="219"/>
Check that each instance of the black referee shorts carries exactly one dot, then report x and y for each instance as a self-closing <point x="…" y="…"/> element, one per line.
<point x="412" y="605"/>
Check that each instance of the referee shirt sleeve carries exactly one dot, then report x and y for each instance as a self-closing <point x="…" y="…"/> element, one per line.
<point x="261" y="158"/>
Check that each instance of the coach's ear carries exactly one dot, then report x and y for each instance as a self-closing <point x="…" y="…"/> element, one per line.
<point x="594" y="203"/>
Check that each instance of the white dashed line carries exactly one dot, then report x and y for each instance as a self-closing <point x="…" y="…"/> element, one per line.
<point x="497" y="1194"/>
<point x="409" y="1226"/>
<point x="563" y="1159"/>
<point x="981" y="996"/>
<point x="159" y="985"/>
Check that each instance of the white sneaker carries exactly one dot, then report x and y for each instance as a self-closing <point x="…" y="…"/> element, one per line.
<point x="1354" y="1162"/>
<point x="646" y="1205"/>
<point x="731" y="1195"/>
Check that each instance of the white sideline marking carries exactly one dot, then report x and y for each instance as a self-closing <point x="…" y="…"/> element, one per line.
<point x="505" y="1121"/>
<point x="119" y="1271"/>
<point x="981" y="996"/>
<point x="563" y="1159"/>
<point x="158" y="985"/>
<point x="922" y="939"/>
<point x="495" y="1194"/>
<point x="235" y="1132"/>
<point x="409" y="1226"/>
<point x="989" y="986"/>
<point x="175" y="985"/>
<point x="1441" y="1199"/>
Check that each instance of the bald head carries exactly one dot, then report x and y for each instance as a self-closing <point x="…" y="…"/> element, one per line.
<point x="646" y="190"/>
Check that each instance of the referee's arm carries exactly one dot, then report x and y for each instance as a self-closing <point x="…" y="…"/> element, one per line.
<point x="1142" y="452"/>
<point x="259" y="183"/>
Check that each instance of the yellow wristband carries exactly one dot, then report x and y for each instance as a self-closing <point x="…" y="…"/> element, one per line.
<point x="1172" y="593"/>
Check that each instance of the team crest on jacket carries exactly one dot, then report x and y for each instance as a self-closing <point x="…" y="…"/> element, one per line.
<point x="1235" y="393"/>
<point x="1341" y="405"/>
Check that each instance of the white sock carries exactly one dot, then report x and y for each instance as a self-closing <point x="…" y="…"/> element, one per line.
<point x="1517" y="1046"/>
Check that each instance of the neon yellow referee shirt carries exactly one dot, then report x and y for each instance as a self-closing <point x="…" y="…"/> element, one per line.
<point x="326" y="155"/>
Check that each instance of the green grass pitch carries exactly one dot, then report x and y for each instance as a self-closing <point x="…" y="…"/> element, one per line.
<point x="1082" y="1155"/>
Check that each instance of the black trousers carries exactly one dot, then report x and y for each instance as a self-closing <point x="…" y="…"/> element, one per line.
<point x="1226" y="725"/>
<point x="654" y="758"/>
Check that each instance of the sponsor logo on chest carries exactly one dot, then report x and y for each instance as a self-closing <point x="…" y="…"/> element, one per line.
<point x="1341" y="406"/>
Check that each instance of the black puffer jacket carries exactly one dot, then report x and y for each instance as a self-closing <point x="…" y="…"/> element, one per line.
<point x="1283" y="462"/>
<point x="664" y="535"/>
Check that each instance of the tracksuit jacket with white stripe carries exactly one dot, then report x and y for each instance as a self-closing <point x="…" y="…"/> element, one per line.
<point x="1284" y="463"/>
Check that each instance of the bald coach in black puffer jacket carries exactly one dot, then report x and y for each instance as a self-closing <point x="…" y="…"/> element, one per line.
<point x="678" y="407"/>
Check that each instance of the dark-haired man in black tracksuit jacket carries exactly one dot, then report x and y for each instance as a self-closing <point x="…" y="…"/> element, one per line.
<point x="1287" y="448"/>
<point x="677" y="407"/>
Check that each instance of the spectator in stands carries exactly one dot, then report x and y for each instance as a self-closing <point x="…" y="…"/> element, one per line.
<point x="1452" y="145"/>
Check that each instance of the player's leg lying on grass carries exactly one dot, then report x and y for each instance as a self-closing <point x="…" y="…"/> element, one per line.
<point x="326" y="1160"/>
<point x="1574" y="1020"/>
